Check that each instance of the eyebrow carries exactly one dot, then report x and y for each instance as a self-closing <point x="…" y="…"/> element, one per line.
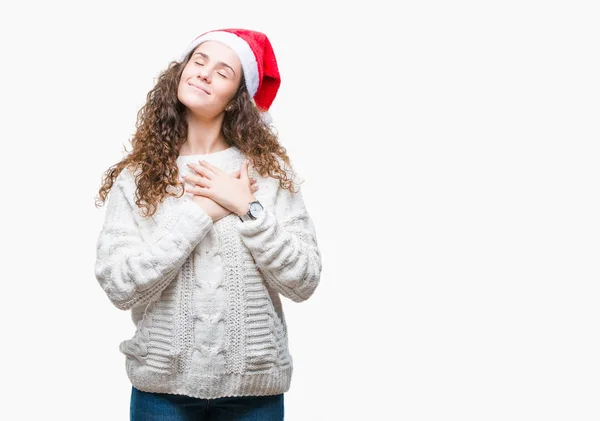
<point x="208" y="58"/>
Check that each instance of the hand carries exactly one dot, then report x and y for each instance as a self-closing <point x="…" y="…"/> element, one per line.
<point x="198" y="189"/>
<point x="212" y="208"/>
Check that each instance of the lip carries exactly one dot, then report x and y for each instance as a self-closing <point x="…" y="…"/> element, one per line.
<point x="200" y="88"/>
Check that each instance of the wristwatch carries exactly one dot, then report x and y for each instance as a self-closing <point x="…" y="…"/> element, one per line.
<point x="254" y="210"/>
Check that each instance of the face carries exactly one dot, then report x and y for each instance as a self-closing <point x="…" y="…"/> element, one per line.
<point x="210" y="79"/>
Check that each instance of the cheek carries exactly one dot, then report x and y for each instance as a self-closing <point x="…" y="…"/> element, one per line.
<point x="186" y="75"/>
<point x="225" y="91"/>
<point x="182" y="83"/>
<point x="180" y="89"/>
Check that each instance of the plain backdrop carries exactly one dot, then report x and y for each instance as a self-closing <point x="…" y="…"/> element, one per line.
<point x="450" y="151"/>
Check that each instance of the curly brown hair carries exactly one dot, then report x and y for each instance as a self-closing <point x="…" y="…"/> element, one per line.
<point x="161" y="128"/>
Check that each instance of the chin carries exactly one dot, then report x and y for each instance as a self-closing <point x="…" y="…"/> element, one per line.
<point x="201" y="111"/>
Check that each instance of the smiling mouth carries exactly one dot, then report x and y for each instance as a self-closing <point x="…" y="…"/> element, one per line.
<point x="200" y="89"/>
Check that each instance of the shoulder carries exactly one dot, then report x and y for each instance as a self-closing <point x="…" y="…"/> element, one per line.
<point x="126" y="181"/>
<point x="289" y="202"/>
<point x="124" y="187"/>
<point x="289" y="168"/>
<point x="127" y="177"/>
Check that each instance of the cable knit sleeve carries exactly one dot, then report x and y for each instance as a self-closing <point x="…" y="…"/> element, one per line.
<point x="136" y="261"/>
<point x="284" y="245"/>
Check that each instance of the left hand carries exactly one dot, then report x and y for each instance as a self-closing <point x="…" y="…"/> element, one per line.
<point x="230" y="192"/>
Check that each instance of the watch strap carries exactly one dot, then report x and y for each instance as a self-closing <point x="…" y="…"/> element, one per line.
<point x="246" y="217"/>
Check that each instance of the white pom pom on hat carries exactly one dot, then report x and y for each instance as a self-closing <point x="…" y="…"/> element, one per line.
<point x="258" y="61"/>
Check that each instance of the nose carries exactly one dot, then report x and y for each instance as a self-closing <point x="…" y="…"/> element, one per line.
<point x="205" y="74"/>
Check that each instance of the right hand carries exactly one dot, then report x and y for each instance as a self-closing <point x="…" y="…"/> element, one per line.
<point x="212" y="208"/>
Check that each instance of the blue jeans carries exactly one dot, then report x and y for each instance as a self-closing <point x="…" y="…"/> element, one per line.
<point x="146" y="406"/>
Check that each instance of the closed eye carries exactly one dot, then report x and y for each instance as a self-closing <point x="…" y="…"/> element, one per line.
<point x="220" y="74"/>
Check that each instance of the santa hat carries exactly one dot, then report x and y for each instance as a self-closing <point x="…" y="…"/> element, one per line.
<point x="258" y="62"/>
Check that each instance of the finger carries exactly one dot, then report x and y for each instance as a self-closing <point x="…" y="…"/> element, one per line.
<point x="210" y="166"/>
<point x="244" y="170"/>
<point x="196" y="168"/>
<point x="204" y="171"/>
<point x="253" y="188"/>
<point x="193" y="178"/>
<point x="197" y="190"/>
<point x="197" y="180"/>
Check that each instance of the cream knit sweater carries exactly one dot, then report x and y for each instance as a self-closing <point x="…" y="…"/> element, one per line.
<point x="204" y="296"/>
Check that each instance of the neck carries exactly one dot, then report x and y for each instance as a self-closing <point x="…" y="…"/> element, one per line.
<point x="204" y="136"/>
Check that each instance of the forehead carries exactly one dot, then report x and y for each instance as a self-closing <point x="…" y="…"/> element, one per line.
<point x="219" y="52"/>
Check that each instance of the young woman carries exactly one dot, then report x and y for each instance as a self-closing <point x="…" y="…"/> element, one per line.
<point x="199" y="250"/>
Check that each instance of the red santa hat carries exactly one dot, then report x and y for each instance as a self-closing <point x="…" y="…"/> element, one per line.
<point x="258" y="62"/>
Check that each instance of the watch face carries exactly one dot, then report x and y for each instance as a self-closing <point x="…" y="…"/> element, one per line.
<point x="255" y="208"/>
